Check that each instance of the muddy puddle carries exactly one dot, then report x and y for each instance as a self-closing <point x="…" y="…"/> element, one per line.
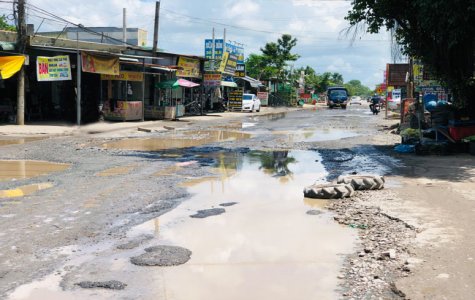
<point x="23" y="169"/>
<point x="116" y="171"/>
<point x="264" y="246"/>
<point x="315" y="135"/>
<point x="184" y="139"/>
<point x="19" y="141"/>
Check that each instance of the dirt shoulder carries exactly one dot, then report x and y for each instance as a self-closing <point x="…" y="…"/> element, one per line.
<point x="425" y="218"/>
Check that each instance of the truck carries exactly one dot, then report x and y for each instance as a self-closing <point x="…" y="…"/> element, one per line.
<point x="337" y="97"/>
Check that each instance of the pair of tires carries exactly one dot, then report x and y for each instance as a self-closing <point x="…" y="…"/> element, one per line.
<point x="345" y="187"/>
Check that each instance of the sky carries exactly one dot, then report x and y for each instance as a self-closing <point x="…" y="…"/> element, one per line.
<point x="318" y="25"/>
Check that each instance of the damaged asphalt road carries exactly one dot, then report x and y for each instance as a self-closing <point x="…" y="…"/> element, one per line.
<point x="85" y="213"/>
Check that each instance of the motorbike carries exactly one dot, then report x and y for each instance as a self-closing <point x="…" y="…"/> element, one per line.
<point x="375" y="108"/>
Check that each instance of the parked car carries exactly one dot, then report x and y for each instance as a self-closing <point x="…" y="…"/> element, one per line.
<point x="356" y="100"/>
<point x="251" y="102"/>
<point x="337" y="96"/>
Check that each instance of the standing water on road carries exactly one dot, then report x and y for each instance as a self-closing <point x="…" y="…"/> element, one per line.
<point x="265" y="246"/>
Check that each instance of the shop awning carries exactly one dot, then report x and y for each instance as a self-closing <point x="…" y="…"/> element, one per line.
<point x="186" y="83"/>
<point x="254" y="82"/>
<point x="9" y="65"/>
<point x="229" y="83"/>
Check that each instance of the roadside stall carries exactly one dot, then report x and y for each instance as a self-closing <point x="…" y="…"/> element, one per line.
<point x="123" y="96"/>
<point x="173" y="95"/>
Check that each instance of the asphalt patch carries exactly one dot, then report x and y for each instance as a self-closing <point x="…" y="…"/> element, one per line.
<point x="208" y="213"/>
<point x="163" y="256"/>
<point x="111" y="284"/>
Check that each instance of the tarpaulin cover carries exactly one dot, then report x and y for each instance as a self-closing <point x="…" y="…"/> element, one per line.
<point x="9" y="65"/>
<point x="169" y="84"/>
<point x="173" y="84"/>
<point x="187" y="83"/>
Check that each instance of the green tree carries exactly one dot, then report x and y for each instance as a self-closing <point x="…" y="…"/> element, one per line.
<point x="4" y="24"/>
<point x="257" y="67"/>
<point x="440" y="33"/>
<point x="277" y="55"/>
<point x="355" y="87"/>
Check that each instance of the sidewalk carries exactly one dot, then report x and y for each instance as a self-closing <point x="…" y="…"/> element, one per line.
<point x="64" y="129"/>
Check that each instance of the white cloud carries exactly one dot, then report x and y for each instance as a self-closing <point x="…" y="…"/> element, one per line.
<point x="184" y="24"/>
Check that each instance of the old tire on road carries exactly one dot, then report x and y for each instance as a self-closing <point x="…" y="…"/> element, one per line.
<point x="329" y="191"/>
<point x="363" y="182"/>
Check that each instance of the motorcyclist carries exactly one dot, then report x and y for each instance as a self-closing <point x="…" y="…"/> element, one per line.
<point x="375" y="100"/>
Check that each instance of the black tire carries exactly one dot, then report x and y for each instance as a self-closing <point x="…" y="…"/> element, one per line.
<point x="343" y="106"/>
<point x="329" y="191"/>
<point x="363" y="182"/>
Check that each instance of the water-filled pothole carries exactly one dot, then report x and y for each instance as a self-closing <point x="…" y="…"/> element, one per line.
<point x="23" y="169"/>
<point x="185" y="139"/>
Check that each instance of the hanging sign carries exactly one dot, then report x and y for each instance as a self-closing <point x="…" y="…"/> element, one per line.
<point x="99" y="64"/>
<point x="212" y="79"/>
<point x="55" y="68"/>
<point x="124" y="76"/>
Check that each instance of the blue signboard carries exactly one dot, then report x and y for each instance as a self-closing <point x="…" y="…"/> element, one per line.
<point x="218" y="52"/>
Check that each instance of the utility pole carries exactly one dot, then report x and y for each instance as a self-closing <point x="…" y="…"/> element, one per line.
<point x="124" y="26"/>
<point x="21" y="43"/>
<point x="155" y="28"/>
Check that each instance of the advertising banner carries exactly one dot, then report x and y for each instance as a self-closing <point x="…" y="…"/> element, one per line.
<point x="99" y="64"/>
<point x="236" y="50"/>
<point x="235" y="100"/>
<point x="264" y="97"/>
<point x="190" y="67"/>
<point x="55" y="68"/>
<point x="240" y="70"/>
<point x="212" y="79"/>
<point x="124" y="76"/>
<point x="228" y="64"/>
<point x="218" y="52"/>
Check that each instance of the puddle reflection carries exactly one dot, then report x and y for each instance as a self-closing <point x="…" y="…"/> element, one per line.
<point x="23" y="169"/>
<point x="19" y="141"/>
<point x="265" y="246"/>
<point x="184" y="139"/>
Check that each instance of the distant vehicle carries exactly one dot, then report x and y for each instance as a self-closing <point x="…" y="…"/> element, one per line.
<point x="337" y="96"/>
<point x="356" y="100"/>
<point x="251" y="102"/>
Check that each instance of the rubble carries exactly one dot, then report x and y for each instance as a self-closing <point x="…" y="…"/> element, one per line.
<point x="382" y="256"/>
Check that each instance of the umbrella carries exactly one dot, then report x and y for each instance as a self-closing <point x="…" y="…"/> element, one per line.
<point x="169" y="84"/>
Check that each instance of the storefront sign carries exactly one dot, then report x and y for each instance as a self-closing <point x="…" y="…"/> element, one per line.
<point x="235" y="100"/>
<point x="124" y="76"/>
<point x="55" y="68"/>
<point x="240" y="70"/>
<point x="9" y="65"/>
<point x="228" y="64"/>
<point x="264" y="97"/>
<point x="99" y="64"/>
<point x="190" y="67"/>
<point x="212" y="79"/>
